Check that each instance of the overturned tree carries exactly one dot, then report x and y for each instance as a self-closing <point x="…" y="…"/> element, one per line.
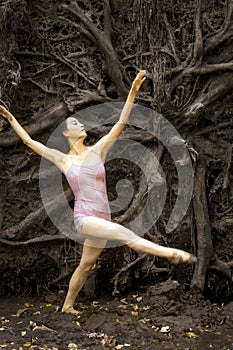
<point x="61" y="58"/>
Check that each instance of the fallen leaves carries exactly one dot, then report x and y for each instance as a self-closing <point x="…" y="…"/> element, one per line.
<point x="192" y="335"/>
<point x="103" y="339"/>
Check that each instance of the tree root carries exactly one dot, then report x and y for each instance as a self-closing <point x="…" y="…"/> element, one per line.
<point x="223" y="267"/>
<point x="204" y="239"/>
<point x="41" y="122"/>
<point x="41" y="239"/>
<point x="124" y="269"/>
<point x="217" y="88"/>
<point x="113" y="66"/>
<point x="38" y="216"/>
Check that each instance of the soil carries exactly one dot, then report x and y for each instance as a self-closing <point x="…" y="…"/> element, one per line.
<point x="155" y="317"/>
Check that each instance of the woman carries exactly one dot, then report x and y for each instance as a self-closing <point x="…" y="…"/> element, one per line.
<point x="84" y="170"/>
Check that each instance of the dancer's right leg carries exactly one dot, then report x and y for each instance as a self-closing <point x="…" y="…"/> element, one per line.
<point x="99" y="228"/>
<point x="91" y="251"/>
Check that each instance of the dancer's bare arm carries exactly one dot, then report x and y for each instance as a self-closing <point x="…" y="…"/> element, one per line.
<point x="53" y="155"/>
<point x="107" y="141"/>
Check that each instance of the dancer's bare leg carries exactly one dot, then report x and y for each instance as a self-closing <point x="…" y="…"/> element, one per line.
<point x="100" y="228"/>
<point x="91" y="251"/>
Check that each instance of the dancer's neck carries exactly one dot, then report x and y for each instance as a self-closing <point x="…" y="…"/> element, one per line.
<point x="77" y="147"/>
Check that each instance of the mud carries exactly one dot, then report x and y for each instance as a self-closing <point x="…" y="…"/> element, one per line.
<point x="156" y="317"/>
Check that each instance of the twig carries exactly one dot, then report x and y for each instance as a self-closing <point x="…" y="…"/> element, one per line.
<point x="41" y="87"/>
<point x="75" y="68"/>
<point x="124" y="269"/>
<point x="198" y="43"/>
<point x="42" y="70"/>
<point x="171" y="39"/>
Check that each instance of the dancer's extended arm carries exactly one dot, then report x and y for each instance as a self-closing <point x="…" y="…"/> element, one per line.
<point x="107" y="141"/>
<point x="53" y="155"/>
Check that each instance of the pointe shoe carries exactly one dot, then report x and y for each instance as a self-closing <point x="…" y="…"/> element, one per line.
<point x="180" y="256"/>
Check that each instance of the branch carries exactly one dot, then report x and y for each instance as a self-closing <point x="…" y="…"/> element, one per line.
<point x="41" y="121"/>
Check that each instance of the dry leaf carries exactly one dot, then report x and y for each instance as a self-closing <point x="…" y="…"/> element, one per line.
<point x="27" y="304"/>
<point x="21" y="311"/>
<point x="134" y="313"/>
<point x="192" y="335"/>
<point x="124" y="301"/>
<point x="146" y="307"/>
<point x="165" y="329"/>
<point x="43" y="328"/>
<point x="134" y="306"/>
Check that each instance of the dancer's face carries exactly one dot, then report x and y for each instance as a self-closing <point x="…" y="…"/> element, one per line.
<point x="75" y="129"/>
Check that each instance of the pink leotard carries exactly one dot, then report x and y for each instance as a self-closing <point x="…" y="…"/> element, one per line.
<point x="89" y="186"/>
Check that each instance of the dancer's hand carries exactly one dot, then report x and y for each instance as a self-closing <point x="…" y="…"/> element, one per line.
<point x="140" y="78"/>
<point x="5" y="113"/>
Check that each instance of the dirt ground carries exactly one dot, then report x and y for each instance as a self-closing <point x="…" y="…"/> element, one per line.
<point x="156" y="317"/>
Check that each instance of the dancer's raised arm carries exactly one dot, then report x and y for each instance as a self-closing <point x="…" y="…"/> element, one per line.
<point x="107" y="141"/>
<point x="53" y="155"/>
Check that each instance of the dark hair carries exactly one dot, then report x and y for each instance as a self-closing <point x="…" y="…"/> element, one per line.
<point x="57" y="140"/>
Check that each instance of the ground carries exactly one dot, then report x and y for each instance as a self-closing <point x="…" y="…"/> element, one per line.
<point x="152" y="317"/>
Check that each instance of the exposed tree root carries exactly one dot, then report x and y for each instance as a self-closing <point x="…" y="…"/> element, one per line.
<point x="41" y="122"/>
<point x="40" y="239"/>
<point x="204" y="240"/>
<point x="36" y="217"/>
<point x="113" y="66"/>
